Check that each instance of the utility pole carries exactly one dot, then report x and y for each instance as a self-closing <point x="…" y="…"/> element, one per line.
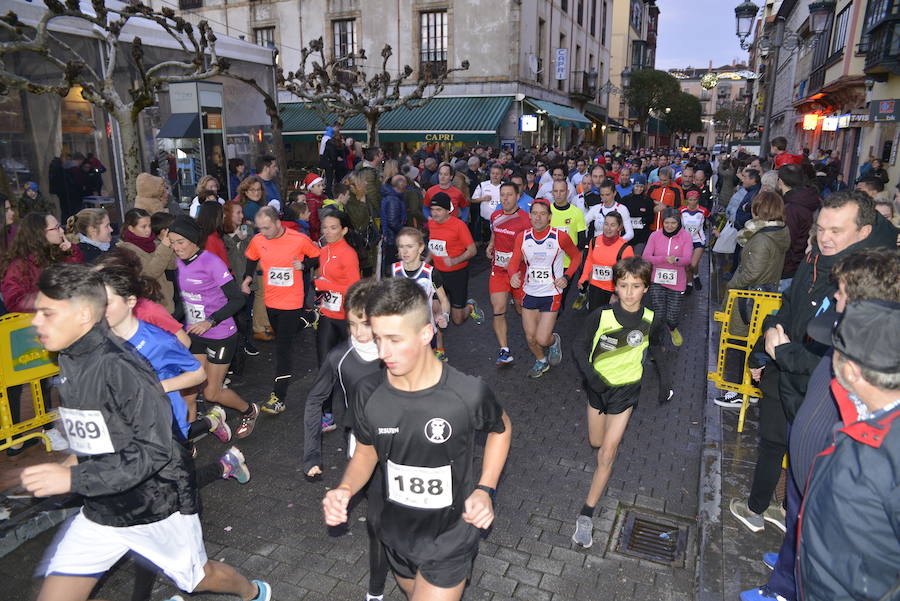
<point x="774" y="51"/>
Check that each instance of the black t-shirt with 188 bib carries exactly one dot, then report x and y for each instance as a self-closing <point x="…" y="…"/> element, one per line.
<point x="425" y="442"/>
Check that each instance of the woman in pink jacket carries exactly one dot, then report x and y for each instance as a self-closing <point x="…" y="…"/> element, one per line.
<point x="669" y="250"/>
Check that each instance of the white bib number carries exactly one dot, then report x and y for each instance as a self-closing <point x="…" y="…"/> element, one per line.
<point x="693" y="229"/>
<point x="438" y="248"/>
<point x="540" y="275"/>
<point x="86" y="431"/>
<point x="282" y="277"/>
<point x="502" y="259"/>
<point x="194" y="313"/>
<point x="332" y="301"/>
<point x="602" y="273"/>
<point x="637" y="223"/>
<point x="668" y="277"/>
<point x="420" y="487"/>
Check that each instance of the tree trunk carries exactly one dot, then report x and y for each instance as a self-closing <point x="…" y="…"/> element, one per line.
<point x="131" y="155"/>
<point x="372" y="129"/>
<point x="277" y="141"/>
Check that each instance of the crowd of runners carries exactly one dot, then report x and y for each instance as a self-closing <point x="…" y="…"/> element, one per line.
<point x="151" y="328"/>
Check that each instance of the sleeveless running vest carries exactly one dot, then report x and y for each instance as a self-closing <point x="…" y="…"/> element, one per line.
<point x="544" y="263"/>
<point x="617" y="353"/>
<point x="422" y="277"/>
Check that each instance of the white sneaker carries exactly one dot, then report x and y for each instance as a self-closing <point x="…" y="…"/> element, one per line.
<point x="58" y="442"/>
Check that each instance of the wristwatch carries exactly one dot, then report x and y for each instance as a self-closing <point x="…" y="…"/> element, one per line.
<point x="491" y="491"/>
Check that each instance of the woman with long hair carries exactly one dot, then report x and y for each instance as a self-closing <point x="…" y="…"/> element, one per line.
<point x="211" y="220"/>
<point x="236" y="237"/>
<point x="155" y="254"/>
<point x="90" y="230"/>
<point x="207" y="185"/>
<point x="8" y="229"/>
<point x="251" y="195"/>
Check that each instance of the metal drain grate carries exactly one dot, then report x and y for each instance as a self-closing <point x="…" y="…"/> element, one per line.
<point x="653" y="540"/>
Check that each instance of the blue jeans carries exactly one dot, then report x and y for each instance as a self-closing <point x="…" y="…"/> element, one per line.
<point x="784" y="284"/>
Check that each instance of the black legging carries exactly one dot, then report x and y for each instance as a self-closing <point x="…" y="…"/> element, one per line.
<point x="598" y="297"/>
<point x="286" y="323"/>
<point x="772" y="441"/>
<point x="329" y="333"/>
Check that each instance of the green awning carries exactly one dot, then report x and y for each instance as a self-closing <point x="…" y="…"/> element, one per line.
<point x="563" y="116"/>
<point x="454" y="119"/>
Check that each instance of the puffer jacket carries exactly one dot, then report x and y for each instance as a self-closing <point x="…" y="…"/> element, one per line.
<point x="847" y="536"/>
<point x="154" y="265"/>
<point x="393" y="213"/>
<point x="19" y="284"/>
<point x="765" y="244"/>
<point x="800" y="204"/>
<point x="149" y="474"/>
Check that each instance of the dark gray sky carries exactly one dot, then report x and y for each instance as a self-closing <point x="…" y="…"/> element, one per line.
<point x="694" y="32"/>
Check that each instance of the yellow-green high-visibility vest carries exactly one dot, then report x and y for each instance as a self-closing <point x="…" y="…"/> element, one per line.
<point x="618" y="353"/>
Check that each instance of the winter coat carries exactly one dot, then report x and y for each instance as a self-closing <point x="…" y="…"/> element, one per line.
<point x="762" y="255"/>
<point x="19" y="284"/>
<point x="415" y="214"/>
<point x="152" y="194"/>
<point x="154" y="265"/>
<point x="361" y="218"/>
<point x="40" y="204"/>
<point x="744" y="213"/>
<point x="800" y="205"/>
<point x="659" y="246"/>
<point x="371" y="181"/>
<point x="393" y="213"/>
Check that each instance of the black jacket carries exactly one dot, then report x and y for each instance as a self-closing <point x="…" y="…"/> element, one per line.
<point x="800" y="204"/>
<point x="149" y="475"/>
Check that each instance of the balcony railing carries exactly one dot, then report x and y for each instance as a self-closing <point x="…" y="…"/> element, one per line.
<point x="883" y="52"/>
<point x="580" y="85"/>
<point x="189" y="4"/>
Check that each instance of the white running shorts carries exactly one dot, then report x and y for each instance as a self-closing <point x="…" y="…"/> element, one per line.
<point x="174" y="545"/>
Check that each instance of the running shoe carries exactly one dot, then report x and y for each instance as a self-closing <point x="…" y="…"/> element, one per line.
<point x="584" y="532"/>
<point x="761" y="594"/>
<point x="248" y="421"/>
<point x="504" y="357"/>
<point x="58" y="442"/>
<point x="274" y="405"/>
<point x="371" y="597"/>
<point x="477" y="314"/>
<point x="554" y="354"/>
<point x="697" y="283"/>
<point x="677" y="339"/>
<point x="580" y="301"/>
<point x="328" y="424"/>
<point x="175" y="598"/>
<point x="234" y="466"/>
<point x="688" y="289"/>
<point x="775" y="515"/>
<point x="218" y="426"/>
<point x="770" y="559"/>
<point x="249" y="349"/>
<point x="265" y="591"/>
<point x="441" y="354"/>
<point x="753" y="521"/>
<point x="732" y="400"/>
<point x="539" y="368"/>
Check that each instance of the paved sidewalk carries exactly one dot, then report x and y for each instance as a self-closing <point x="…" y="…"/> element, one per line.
<point x="272" y="527"/>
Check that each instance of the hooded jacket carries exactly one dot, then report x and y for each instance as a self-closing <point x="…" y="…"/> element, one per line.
<point x="393" y="213"/>
<point x="800" y="204"/>
<point x="762" y="256"/>
<point x="812" y="291"/>
<point x="151" y="193"/>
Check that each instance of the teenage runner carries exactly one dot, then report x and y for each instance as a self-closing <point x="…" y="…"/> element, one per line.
<point x="541" y="249"/>
<point x="418" y="422"/>
<point x="280" y="253"/>
<point x="132" y="471"/>
<point x="693" y="218"/>
<point x="611" y="352"/>
<point x="669" y="250"/>
<point x="211" y="297"/>
<point x="411" y="247"/>
<point x="569" y="219"/>
<point x="604" y="251"/>
<point x="338" y="270"/>
<point x="344" y="368"/>
<point x="451" y="246"/>
<point x="609" y="204"/>
<point x="506" y="223"/>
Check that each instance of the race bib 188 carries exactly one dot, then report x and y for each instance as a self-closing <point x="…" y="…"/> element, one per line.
<point x="438" y="248"/>
<point x="86" y="431"/>
<point x="637" y="223"/>
<point x="420" y="487"/>
<point x="668" y="277"/>
<point x="281" y="276"/>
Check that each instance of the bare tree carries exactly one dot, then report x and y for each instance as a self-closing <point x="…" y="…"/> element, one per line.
<point x="340" y="86"/>
<point x="106" y="24"/>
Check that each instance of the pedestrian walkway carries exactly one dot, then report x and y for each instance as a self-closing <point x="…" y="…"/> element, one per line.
<point x="272" y="527"/>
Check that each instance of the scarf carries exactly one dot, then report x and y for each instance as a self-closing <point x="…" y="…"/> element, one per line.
<point x="104" y="246"/>
<point x="608" y="241"/>
<point x="667" y="234"/>
<point x="148" y="245"/>
<point x="367" y="351"/>
<point x="753" y="226"/>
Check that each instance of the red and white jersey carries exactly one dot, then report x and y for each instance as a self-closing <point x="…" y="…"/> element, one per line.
<point x="505" y="228"/>
<point x="543" y="262"/>
<point x="422" y="277"/>
<point x="693" y="222"/>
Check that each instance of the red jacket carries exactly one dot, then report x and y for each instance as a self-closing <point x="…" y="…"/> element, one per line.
<point x="19" y="286"/>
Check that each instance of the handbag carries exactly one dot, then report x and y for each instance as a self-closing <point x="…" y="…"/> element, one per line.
<point x="727" y="240"/>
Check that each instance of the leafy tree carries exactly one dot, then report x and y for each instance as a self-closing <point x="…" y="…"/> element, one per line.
<point x="650" y="90"/>
<point x="685" y="115"/>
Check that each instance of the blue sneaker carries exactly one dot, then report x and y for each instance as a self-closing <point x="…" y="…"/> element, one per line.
<point x="539" y="369"/>
<point x="554" y="355"/>
<point x="770" y="559"/>
<point x="477" y="314"/>
<point x="234" y="466"/>
<point x="265" y="591"/>
<point x="328" y="424"/>
<point x="761" y="594"/>
<point x="504" y="357"/>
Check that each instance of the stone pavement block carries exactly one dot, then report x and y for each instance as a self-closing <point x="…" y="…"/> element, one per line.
<point x="524" y="575"/>
<point x="568" y="556"/>
<point x="530" y="593"/>
<point x="497" y="584"/>
<point x="258" y="566"/>
<point x="513" y="557"/>
<point x="545" y="524"/>
<point x="535" y="548"/>
<point x="489" y="564"/>
<point x="544" y="564"/>
<point x="318" y="582"/>
<point x="558" y="585"/>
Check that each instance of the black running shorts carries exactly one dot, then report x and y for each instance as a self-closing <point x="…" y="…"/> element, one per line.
<point x="218" y="352"/>
<point x="446" y="572"/>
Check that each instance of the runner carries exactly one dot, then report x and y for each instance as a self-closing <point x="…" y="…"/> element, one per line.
<point x="541" y="249"/>
<point x="411" y="246"/>
<point x="338" y="270"/>
<point x="418" y="422"/>
<point x="211" y="298"/>
<point x="506" y="223"/>
<point x="669" y="250"/>
<point x="132" y="472"/>
<point x="641" y="209"/>
<point x="611" y="352"/>
<point x="344" y="368"/>
<point x="569" y="219"/>
<point x="608" y="204"/>
<point x="693" y="218"/>
<point x="451" y="246"/>
<point x="603" y="253"/>
<point x="280" y="253"/>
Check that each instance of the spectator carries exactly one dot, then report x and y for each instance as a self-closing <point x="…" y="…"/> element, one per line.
<point x="871" y="185"/>
<point x="237" y="171"/>
<point x="31" y="201"/>
<point x="778" y="147"/>
<point x="360" y="214"/>
<point x="267" y="171"/>
<point x="90" y="230"/>
<point x="801" y="201"/>
<point x="415" y="209"/>
<point x="251" y="195"/>
<point x="369" y="171"/>
<point x="211" y="221"/>
<point x="876" y="171"/>
<point x="752" y="184"/>
<point x="393" y="219"/>
<point x="7" y="230"/>
<point x="152" y="194"/>
<point x="155" y="253"/>
<point x="206" y="186"/>
<point x="727" y="178"/>
<point x="315" y="200"/>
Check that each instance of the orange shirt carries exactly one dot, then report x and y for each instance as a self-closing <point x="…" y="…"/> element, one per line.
<point x="338" y="270"/>
<point x="448" y="239"/>
<point x="600" y="260"/>
<point x="457" y="198"/>
<point x="282" y="284"/>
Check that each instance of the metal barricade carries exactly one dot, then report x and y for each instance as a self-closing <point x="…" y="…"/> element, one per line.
<point x="764" y="304"/>
<point x="23" y="360"/>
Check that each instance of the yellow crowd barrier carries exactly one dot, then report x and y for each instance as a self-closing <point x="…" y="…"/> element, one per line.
<point x="764" y="304"/>
<point x="23" y="360"/>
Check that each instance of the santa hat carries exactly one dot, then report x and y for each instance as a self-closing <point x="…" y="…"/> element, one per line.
<point x="311" y="180"/>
